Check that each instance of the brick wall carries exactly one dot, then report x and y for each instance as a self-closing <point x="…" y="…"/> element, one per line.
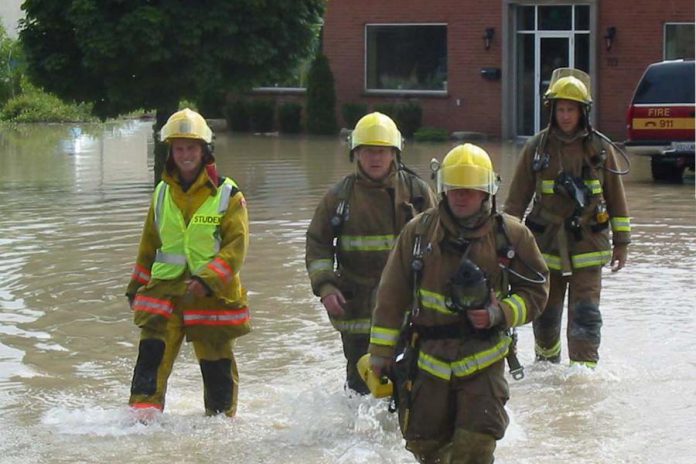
<point x="639" y="41"/>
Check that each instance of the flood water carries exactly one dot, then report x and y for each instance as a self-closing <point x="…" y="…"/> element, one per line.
<point x="72" y="204"/>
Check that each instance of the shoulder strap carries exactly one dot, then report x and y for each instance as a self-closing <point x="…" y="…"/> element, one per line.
<point x="343" y="194"/>
<point x="506" y="253"/>
<point x="417" y="262"/>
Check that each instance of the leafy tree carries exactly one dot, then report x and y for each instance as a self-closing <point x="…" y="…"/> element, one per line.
<point x="10" y="66"/>
<point x="321" y="98"/>
<point x="122" y="55"/>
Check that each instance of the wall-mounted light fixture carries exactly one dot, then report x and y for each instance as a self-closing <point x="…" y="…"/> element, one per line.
<point x="488" y="37"/>
<point x="609" y="37"/>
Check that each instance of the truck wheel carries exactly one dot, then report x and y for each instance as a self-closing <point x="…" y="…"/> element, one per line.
<point x="666" y="170"/>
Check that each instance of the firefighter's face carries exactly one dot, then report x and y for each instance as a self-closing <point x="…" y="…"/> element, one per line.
<point x="375" y="161"/>
<point x="465" y="202"/>
<point x="568" y="115"/>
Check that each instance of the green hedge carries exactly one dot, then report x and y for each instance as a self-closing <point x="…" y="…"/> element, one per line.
<point x="237" y="114"/>
<point x="352" y="112"/>
<point x="290" y="118"/>
<point x="431" y="134"/>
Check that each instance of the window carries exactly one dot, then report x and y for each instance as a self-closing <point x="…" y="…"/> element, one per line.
<point x="406" y="58"/>
<point x="679" y="41"/>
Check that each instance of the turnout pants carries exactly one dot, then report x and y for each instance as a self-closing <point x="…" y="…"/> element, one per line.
<point x="584" y="319"/>
<point x="156" y="354"/>
<point x="456" y="422"/>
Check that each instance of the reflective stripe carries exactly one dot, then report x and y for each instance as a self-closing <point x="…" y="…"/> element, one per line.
<point x="159" y="204"/>
<point x="594" y="186"/>
<point x="466" y="366"/>
<point x="597" y="258"/>
<point x="367" y="242"/>
<point x="588" y="364"/>
<point x="547" y="187"/>
<point x="434" y="366"/>
<point x="555" y="350"/>
<point x="621" y="224"/>
<point x="320" y="265"/>
<point x="222" y="269"/>
<point x="170" y="258"/>
<point x="384" y="336"/>
<point x="552" y="261"/>
<point x="434" y="301"/>
<point x="519" y="309"/>
<point x="153" y="305"/>
<point x="481" y="360"/>
<point x="140" y="274"/>
<point x="216" y="316"/>
<point x="225" y="200"/>
<point x="352" y="326"/>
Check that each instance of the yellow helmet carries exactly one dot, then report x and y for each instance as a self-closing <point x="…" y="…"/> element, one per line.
<point x="376" y="129"/>
<point x="467" y="166"/>
<point x="569" y="84"/>
<point x="186" y="124"/>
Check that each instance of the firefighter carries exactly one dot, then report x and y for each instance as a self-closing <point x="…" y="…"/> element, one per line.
<point x="185" y="282"/>
<point x="572" y="173"/>
<point x="353" y="229"/>
<point x="459" y="276"/>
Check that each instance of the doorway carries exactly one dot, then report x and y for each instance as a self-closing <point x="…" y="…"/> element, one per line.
<point x="547" y="37"/>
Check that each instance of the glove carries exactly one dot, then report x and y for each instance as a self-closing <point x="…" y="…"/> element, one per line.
<point x="485" y="318"/>
<point x="131" y="298"/>
<point x="380" y="365"/>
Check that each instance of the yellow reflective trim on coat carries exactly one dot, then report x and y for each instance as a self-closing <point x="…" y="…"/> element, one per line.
<point x="434" y="301"/>
<point x="597" y="258"/>
<point x="320" y="265"/>
<point x="547" y="186"/>
<point x="621" y="224"/>
<point x="552" y="261"/>
<point x="352" y="326"/>
<point x="548" y="352"/>
<point x="367" y="242"/>
<point x="594" y="186"/>
<point x="466" y="366"/>
<point x="434" y="366"/>
<point x="384" y="336"/>
<point x="481" y="360"/>
<point x="519" y="309"/>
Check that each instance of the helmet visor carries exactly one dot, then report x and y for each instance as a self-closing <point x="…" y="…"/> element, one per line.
<point x="466" y="177"/>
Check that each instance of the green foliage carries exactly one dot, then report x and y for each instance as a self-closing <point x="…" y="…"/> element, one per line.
<point x="352" y="112"/>
<point x="430" y="134"/>
<point x="387" y="108"/>
<point x="290" y="118"/>
<point x="237" y="115"/>
<point x="35" y="105"/>
<point x="128" y="54"/>
<point x="321" y="98"/>
<point x="261" y="115"/>
<point x="11" y="64"/>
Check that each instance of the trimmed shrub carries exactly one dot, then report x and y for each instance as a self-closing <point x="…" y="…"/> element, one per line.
<point x="261" y="115"/>
<point x="290" y="118"/>
<point x="387" y="108"/>
<point x="352" y="112"/>
<point x="321" y="98"/>
<point x="237" y="115"/>
<point x="409" y="117"/>
<point x="430" y="134"/>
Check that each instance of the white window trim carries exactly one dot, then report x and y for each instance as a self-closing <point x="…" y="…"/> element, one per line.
<point x="370" y="91"/>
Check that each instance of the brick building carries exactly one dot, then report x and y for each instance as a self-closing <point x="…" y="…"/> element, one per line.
<point x="483" y="66"/>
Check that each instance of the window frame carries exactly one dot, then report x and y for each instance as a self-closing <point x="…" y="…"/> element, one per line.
<point x="664" y="37"/>
<point x="372" y="91"/>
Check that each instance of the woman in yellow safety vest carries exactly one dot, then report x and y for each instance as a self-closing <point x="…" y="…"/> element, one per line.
<point x="185" y="281"/>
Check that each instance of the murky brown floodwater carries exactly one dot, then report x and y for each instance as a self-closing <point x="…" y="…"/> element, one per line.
<point x="72" y="204"/>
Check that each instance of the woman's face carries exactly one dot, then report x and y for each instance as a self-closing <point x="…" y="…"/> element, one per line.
<point x="188" y="157"/>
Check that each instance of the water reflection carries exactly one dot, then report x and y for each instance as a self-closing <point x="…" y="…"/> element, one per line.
<point x="71" y="219"/>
